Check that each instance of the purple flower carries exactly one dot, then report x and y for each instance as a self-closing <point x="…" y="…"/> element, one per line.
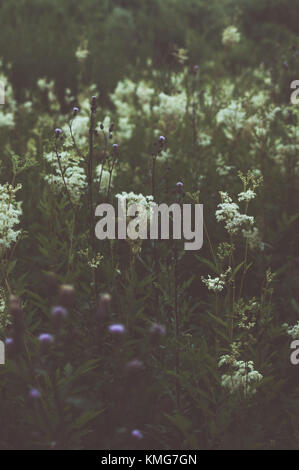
<point x="34" y="393"/>
<point x="196" y="67"/>
<point x="58" y="132"/>
<point x="59" y="312"/>
<point x="179" y="184"/>
<point x="115" y="146"/>
<point x="75" y="110"/>
<point x="286" y="65"/>
<point x="117" y="329"/>
<point x="9" y="341"/>
<point x="137" y="434"/>
<point x="46" y="338"/>
<point x="162" y="139"/>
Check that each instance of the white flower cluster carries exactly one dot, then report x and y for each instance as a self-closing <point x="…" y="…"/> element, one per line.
<point x="216" y="284"/>
<point x="10" y="212"/>
<point x="246" y="195"/>
<point x="292" y="331"/>
<point x="230" y="36"/>
<point x="243" y="377"/>
<point x="229" y="212"/>
<point x="103" y="176"/>
<point x="131" y="198"/>
<point x="171" y="110"/>
<point x="232" y="118"/>
<point x="74" y="175"/>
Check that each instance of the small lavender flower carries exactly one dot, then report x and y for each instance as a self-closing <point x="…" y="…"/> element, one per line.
<point x="58" y="132"/>
<point x="162" y="139"/>
<point x="9" y="341"/>
<point x="59" y="312"/>
<point x="195" y="68"/>
<point x="46" y="338"/>
<point x="115" y="146"/>
<point x="75" y="110"/>
<point x="179" y="184"/>
<point x="34" y="393"/>
<point x="137" y="434"/>
<point x="117" y="329"/>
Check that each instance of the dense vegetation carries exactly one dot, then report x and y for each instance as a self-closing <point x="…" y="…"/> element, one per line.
<point x="115" y="344"/>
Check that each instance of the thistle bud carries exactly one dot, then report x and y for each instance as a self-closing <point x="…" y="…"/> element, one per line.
<point x="135" y="368"/>
<point x="67" y="296"/>
<point x="58" y="313"/>
<point x="34" y="394"/>
<point x="75" y="110"/>
<point x="103" y="306"/>
<point x="157" y="332"/>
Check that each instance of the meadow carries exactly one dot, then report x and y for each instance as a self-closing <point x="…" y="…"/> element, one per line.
<point x="142" y="344"/>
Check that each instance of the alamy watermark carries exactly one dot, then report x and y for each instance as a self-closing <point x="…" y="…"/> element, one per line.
<point x="137" y="221"/>
<point x="2" y="92"/>
<point x="2" y="353"/>
<point x="295" y="95"/>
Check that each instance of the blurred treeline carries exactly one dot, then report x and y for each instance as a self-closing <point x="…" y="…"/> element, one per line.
<point x="39" y="38"/>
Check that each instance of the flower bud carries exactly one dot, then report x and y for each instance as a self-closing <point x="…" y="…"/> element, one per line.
<point x="136" y="434"/>
<point x="157" y="331"/>
<point x="67" y="296"/>
<point x="103" y="306"/>
<point x="34" y="394"/>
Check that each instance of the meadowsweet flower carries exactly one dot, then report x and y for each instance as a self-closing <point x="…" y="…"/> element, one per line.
<point x="10" y="212"/>
<point x="232" y="119"/>
<point x="242" y="378"/>
<point x="292" y="331"/>
<point x="246" y="195"/>
<point x="74" y="175"/>
<point x="230" y="36"/>
<point x="139" y="199"/>
<point x="228" y="212"/>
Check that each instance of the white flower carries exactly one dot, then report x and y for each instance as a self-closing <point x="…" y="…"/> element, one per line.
<point x="74" y="175"/>
<point x="243" y="377"/>
<point x="10" y="212"/>
<point x="229" y="213"/>
<point x="230" y="36"/>
<point x="247" y="195"/>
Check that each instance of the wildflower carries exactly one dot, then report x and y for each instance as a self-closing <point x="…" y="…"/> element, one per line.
<point x="75" y="110"/>
<point x="246" y="195"/>
<point x="67" y="295"/>
<point x="58" y="132"/>
<point x="179" y="184"/>
<point x="243" y="377"/>
<point x="137" y="434"/>
<point x="117" y="329"/>
<point x="34" y="393"/>
<point x="228" y="211"/>
<point x="230" y="36"/>
<point x="46" y="338"/>
<point x="103" y="306"/>
<point x="59" y="311"/>
<point x="9" y="341"/>
<point x="162" y="139"/>
<point x="10" y="212"/>
<point x="115" y="146"/>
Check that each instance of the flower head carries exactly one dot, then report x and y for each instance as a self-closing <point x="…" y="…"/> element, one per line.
<point x="46" y="338"/>
<point x="117" y="329"/>
<point x="34" y="393"/>
<point x="137" y="434"/>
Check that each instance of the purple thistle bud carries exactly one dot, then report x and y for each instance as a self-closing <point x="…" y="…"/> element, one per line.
<point x="34" y="393"/>
<point x="117" y="329"/>
<point x="58" y="132"/>
<point x="196" y="67"/>
<point x="59" y="312"/>
<point x="9" y="341"/>
<point x="137" y="434"/>
<point x="46" y="338"/>
<point x="75" y="110"/>
<point x="179" y="184"/>
<point x="115" y="146"/>
<point x="162" y="139"/>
